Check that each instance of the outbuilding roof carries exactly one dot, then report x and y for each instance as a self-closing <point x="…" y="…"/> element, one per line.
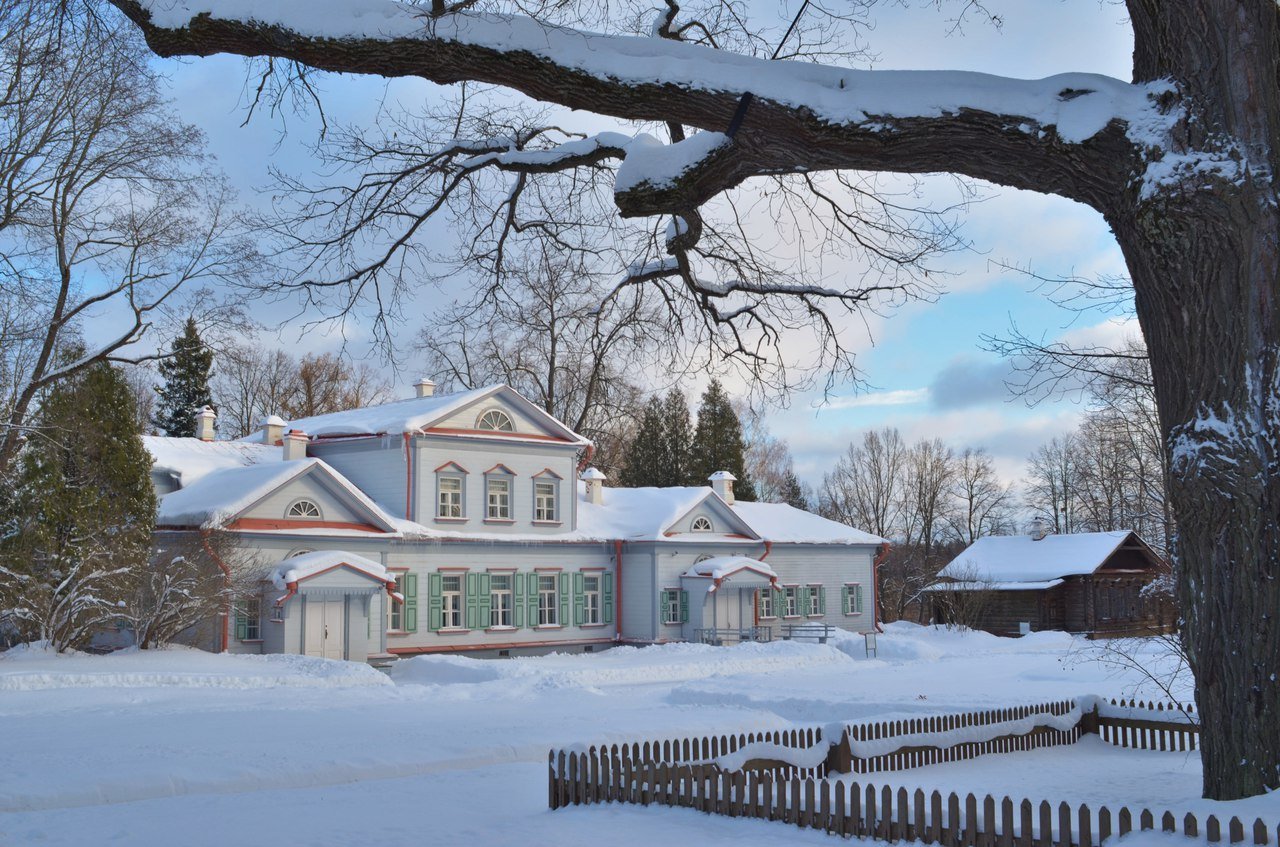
<point x="300" y="568"/>
<point x="1022" y="558"/>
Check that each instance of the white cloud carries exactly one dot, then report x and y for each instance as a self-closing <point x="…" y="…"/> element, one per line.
<point x="900" y="397"/>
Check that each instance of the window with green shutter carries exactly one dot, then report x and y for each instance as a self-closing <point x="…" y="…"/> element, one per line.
<point x="410" y="610"/>
<point x="242" y="623"/>
<point x="671" y="606"/>
<point x="477" y="600"/>
<point x="684" y="606"/>
<point x="518" y="580"/>
<point x="606" y="590"/>
<point x="566" y="598"/>
<point x="435" y="601"/>
<point x="578" y="600"/>
<point x="851" y="599"/>
<point x="815" y="605"/>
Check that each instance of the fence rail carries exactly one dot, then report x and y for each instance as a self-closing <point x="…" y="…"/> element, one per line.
<point x="850" y="809"/>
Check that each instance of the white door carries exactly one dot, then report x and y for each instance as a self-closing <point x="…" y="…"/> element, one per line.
<point x="325" y="631"/>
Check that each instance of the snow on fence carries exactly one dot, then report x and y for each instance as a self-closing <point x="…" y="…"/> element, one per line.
<point x="849" y="809"/>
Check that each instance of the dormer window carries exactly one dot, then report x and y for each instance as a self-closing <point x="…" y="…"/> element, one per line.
<point x="303" y="510"/>
<point x="496" y="420"/>
<point x="701" y="524"/>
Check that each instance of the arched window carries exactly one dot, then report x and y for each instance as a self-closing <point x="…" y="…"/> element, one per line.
<point x="701" y="524"/>
<point x="304" y="510"/>
<point x="496" y="420"/>
<point x="702" y="558"/>
<point x="302" y="551"/>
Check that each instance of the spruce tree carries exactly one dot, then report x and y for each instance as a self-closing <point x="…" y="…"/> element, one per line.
<point x="644" y="456"/>
<point x="186" y="375"/>
<point x="677" y="439"/>
<point x="792" y="491"/>
<point x="717" y="443"/>
<point x="78" y="523"/>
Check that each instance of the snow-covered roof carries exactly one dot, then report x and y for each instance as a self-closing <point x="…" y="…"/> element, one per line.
<point x="720" y="567"/>
<point x="995" y="586"/>
<point x="1021" y="558"/>
<point x="414" y="414"/>
<point x="783" y="524"/>
<point x="308" y="565"/>
<point x="191" y="458"/>
<point x="221" y="495"/>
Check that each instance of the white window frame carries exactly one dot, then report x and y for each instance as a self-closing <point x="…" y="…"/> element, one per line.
<point x="702" y="519"/>
<point x="395" y="611"/>
<point x="548" y="512"/>
<point x="510" y="422"/>
<point x="548" y="614"/>
<point x="496" y="595"/>
<point x="852" y="606"/>
<point x="767" y="612"/>
<point x="494" y="508"/>
<point x="452" y="601"/>
<point x="294" y="512"/>
<point x="790" y="601"/>
<point x="461" y="505"/>
<point x="591" y="599"/>
<point x="252" y="619"/>
<point x="671" y="607"/>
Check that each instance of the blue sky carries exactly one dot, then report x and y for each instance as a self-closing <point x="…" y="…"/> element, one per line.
<point x="928" y="374"/>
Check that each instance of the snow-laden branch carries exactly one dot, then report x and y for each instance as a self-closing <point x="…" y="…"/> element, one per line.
<point x="1079" y="135"/>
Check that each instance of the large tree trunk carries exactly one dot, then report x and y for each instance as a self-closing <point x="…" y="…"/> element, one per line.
<point x="1205" y="259"/>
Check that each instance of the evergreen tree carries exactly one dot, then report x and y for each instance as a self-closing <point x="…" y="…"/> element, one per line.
<point x="186" y="383"/>
<point x="659" y="454"/>
<point x="717" y="443"/>
<point x="793" y="492"/>
<point x="677" y="439"/>
<point x="78" y="521"/>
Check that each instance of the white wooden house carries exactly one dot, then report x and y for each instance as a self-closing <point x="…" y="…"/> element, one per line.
<point x="471" y="522"/>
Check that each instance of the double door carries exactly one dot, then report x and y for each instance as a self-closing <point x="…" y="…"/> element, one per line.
<point x="325" y="631"/>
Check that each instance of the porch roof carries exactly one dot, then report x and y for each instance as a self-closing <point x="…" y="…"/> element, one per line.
<point x="722" y="567"/>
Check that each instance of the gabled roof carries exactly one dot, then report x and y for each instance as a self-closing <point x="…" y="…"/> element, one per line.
<point x="1021" y="558"/>
<point x="722" y="567"/>
<point x="420" y="413"/>
<point x="220" y="496"/>
<point x="300" y="568"/>
<point x="190" y="458"/>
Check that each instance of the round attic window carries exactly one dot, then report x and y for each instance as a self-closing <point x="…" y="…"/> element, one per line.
<point x="303" y="510"/>
<point x="497" y="421"/>
<point x="701" y="524"/>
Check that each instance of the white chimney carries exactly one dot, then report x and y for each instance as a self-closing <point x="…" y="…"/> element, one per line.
<point x="272" y="428"/>
<point x="424" y="388"/>
<point x="1039" y="528"/>
<point x="295" y="445"/>
<point x="595" y="486"/>
<point x="722" y="484"/>
<point x="204" y="423"/>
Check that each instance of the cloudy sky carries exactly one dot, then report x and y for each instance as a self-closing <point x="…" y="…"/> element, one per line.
<point x="927" y="371"/>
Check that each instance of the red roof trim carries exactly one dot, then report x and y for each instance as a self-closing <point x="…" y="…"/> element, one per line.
<point x="269" y="523"/>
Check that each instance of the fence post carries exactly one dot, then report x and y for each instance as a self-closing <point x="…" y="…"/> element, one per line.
<point x="1086" y="826"/>
<point x="1104" y="824"/>
<point x="1046" y="824"/>
<point x="551" y="780"/>
<point x="1064" y="825"/>
<point x="1026" y="829"/>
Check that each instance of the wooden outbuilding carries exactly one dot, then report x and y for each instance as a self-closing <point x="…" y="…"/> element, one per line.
<point x="1097" y="583"/>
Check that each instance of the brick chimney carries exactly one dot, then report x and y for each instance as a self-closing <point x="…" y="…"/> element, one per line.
<point x="295" y="445"/>
<point x="272" y="428"/>
<point x="595" y="486"/>
<point x="205" y="418"/>
<point x="722" y="484"/>
<point x="424" y="388"/>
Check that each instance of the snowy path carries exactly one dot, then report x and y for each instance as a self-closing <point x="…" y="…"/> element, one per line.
<point x="360" y="760"/>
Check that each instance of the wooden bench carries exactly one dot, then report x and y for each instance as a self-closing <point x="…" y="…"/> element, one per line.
<point x="820" y="631"/>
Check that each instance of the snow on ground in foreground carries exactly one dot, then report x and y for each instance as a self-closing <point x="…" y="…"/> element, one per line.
<point x="123" y="752"/>
<point x="28" y="669"/>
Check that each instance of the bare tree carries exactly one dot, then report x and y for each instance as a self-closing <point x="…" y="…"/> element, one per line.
<point x="1179" y="162"/>
<point x="982" y="504"/>
<point x="865" y="487"/>
<point x="250" y="383"/>
<point x="325" y="382"/>
<point x="1053" y="483"/>
<point x="108" y="210"/>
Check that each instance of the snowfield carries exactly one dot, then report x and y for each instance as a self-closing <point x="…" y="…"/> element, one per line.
<point x="138" y="746"/>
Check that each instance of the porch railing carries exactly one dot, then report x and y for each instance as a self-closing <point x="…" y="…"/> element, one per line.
<point x="718" y="636"/>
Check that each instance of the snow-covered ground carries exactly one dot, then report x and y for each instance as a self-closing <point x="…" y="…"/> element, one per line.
<point x="191" y="748"/>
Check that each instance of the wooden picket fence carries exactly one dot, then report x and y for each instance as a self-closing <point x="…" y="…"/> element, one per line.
<point x="1145" y="734"/>
<point x="849" y="809"/>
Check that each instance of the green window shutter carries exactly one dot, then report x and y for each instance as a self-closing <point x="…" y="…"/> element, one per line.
<point x="485" y="602"/>
<point x="802" y="599"/>
<point x="435" y="601"/>
<point x="517" y="600"/>
<point x="606" y="597"/>
<point x="533" y="599"/>
<point x="242" y="624"/>
<point x="822" y="600"/>
<point x="779" y="599"/>
<point x="844" y="600"/>
<point x="760" y="602"/>
<point x="565" y="591"/>
<point x="684" y="606"/>
<point x="472" y="618"/>
<point x="579" y="601"/>
<point x="409" y="612"/>
<point x="857" y="599"/>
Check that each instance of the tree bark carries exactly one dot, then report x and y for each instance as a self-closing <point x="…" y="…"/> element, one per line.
<point x="1196" y="215"/>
